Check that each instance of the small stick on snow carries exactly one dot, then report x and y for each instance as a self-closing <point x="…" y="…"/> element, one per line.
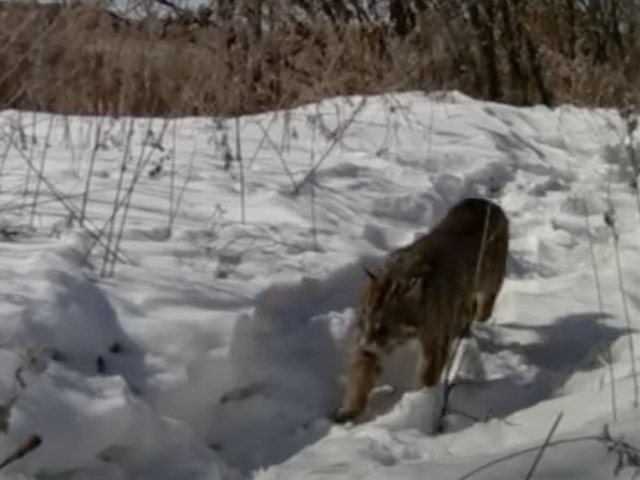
<point x="544" y="447"/>
<point x="312" y="181"/>
<point x="448" y="385"/>
<point x="243" y="212"/>
<point x="92" y="162"/>
<point x="609" y="219"/>
<point x="338" y="135"/>
<point x="43" y="157"/>
<point x="596" y="276"/>
<point x="111" y="229"/>
<point x="497" y="461"/>
<point x="33" y="442"/>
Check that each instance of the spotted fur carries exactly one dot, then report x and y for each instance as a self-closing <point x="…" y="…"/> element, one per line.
<point x="432" y="290"/>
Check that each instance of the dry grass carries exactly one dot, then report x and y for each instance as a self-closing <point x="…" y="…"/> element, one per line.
<point x="81" y="59"/>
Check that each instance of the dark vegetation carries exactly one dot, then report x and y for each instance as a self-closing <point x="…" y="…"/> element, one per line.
<point x="243" y="56"/>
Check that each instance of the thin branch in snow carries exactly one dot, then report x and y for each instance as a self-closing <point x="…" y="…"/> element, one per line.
<point x="92" y="162"/>
<point x="143" y="160"/>
<point x="544" y="446"/>
<point x="497" y="461"/>
<point x="172" y="178"/>
<point x="458" y="340"/>
<point x="123" y="168"/>
<point x="609" y="219"/>
<point x="43" y="157"/>
<point x="337" y="138"/>
<point x="628" y="455"/>
<point x="596" y="276"/>
<point x="278" y="150"/>
<point x="312" y="155"/>
<point x="243" y="212"/>
<point x="32" y="443"/>
<point x="447" y="388"/>
<point x="65" y="202"/>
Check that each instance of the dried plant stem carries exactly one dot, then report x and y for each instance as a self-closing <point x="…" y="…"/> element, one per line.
<point x="195" y="73"/>
<point x="32" y="443"/>
<point x="622" y="449"/>
<point x="140" y="166"/>
<point x="596" y="276"/>
<point x="337" y="138"/>
<point x="447" y="387"/>
<point x="43" y="157"/>
<point x="265" y="135"/>
<point x="278" y="152"/>
<point x="92" y="162"/>
<point x="64" y="201"/>
<point x="610" y="221"/>
<point x="544" y="446"/>
<point x="5" y="153"/>
<point x="123" y="169"/>
<point x="627" y="316"/>
<point x="32" y="147"/>
<point x="312" y="182"/>
<point x="448" y="384"/>
<point x="172" y="176"/>
<point x="178" y="200"/>
<point x="243" y="213"/>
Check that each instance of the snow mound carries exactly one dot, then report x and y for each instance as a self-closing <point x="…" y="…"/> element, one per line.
<point x="216" y="349"/>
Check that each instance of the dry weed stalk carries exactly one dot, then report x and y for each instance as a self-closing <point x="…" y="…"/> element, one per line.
<point x="596" y="276"/>
<point x="92" y="162"/>
<point x="627" y="456"/>
<point x="610" y="221"/>
<point x="448" y="383"/>
<point x="544" y="446"/>
<point x="64" y="200"/>
<point x="28" y="446"/>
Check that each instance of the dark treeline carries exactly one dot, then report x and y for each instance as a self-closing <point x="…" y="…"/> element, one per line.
<point x="240" y="56"/>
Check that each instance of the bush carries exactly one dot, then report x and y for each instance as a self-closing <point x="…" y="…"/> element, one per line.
<point x="245" y="57"/>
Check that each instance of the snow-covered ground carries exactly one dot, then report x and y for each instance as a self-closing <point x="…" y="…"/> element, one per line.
<point x="214" y="350"/>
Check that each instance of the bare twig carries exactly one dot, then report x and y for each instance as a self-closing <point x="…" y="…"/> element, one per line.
<point x="32" y="443"/>
<point x="337" y="138"/>
<point x="448" y="386"/>
<point x="544" y="447"/>
<point x="178" y="201"/>
<point x="172" y="178"/>
<point x="27" y="182"/>
<point x="123" y="169"/>
<point x="92" y="161"/>
<point x="278" y="152"/>
<point x="312" y="155"/>
<point x="43" y="157"/>
<point x="64" y="201"/>
<point x="596" y="276"/>
<point x="497" y="461"/>
<point x="609" y="219"/>
<point x="457" y="341"/>
<point x="243" y="213"/>
<point x="140" y="166"/>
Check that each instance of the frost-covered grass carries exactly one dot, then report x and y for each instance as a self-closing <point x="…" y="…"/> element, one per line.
<point x="212" y="347"/>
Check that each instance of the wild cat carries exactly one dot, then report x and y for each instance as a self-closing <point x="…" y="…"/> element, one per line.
<point x="432" y="290"/>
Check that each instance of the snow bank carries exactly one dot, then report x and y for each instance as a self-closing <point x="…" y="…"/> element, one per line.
<point x="217" y="348"/>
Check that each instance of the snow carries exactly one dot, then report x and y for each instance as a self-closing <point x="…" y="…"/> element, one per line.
<point x="215" y="349"/>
